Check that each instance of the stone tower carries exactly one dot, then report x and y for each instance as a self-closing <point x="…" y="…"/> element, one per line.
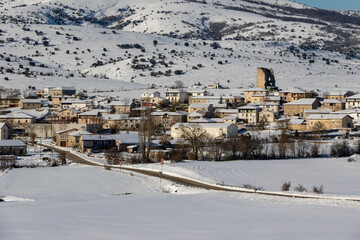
<point x="265" y="78"/>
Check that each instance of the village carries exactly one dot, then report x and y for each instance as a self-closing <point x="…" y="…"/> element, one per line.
<point x="263" y="122"/>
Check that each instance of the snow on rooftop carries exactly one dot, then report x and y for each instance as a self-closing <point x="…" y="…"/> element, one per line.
<point x="203" y="125"/>
<point x="79" y="133"/>
<point x="302" y="101"/>
<point x="12" y="143"/>
<point x="326" y="116"/>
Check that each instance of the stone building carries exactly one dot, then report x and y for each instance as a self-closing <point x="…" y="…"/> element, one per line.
<point x="265" y="78"/>
<point x="13" y="147"/>
<point x="167" y="119"/>
<point x="30" y="103"/>
<point x="296" y="108"/>
<point x="293" y="94"/>
<point x="333" y="104"/>
<point x="62" y="137"/>
<point x="249" y="93"/>
<point x="328" y="121"/>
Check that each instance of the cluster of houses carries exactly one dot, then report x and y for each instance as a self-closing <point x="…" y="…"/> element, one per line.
<point x="85" y="122"/>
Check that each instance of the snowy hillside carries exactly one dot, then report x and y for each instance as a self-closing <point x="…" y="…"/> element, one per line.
<point x="137" y="44"/>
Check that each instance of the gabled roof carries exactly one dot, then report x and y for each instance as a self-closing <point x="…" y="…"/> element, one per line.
<point x="255" y="90"/>
<point x="70" y="109"/>
<point x="203" y="125"/>
<point x="115" y="116"/>
<point x="66" y="130"/>
<point x="207" y="120"/>
<point x="327" y="116"/>
<point x="19" y="115"/>
<point x="168" y="113"/>
<point x="97" y="137"/>
<point x="264" y="104"/>
<point x="199" y="105"/>
<point x="316" y="111"/>
<point x="2" y="124"/>
<point x="231" y="117"/>
<point x="93" y="112"/>
<point x="177" y="91"/>
<point x="35" y="101"/>
<point x="334" y="101"/>
<point x="195" y="114"/>
<point x="296" y="121"/>
<point x="259" y="95"/>
<point x="79" y="133"/>
<point x="74" y="100"/>
<point x="302" y="101"/>
<point x="64" y="88"/>
<point x="336" y="94"/>
<point x="224" y="110"/>
<point x="120" y="103"/>
<point x="122" y="137"/>
<point x="248" y="107"/>
<point x="12" y="143"/>
<point x="356" y="96"/>
<point x="294" y="90"/>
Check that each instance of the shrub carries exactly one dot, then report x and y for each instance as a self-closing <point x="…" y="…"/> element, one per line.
<point x="318" y="190"/>
<point x="300" y="188"/>
<point x="351" y="160"/>
<point x="249" y="186"/>
<point x="314" y="151"/>
<point x="178" y="72"/>
<point x="286" y="186"/>
<point x="62" y="157"/>
<point x="340" y="149"/>
<point x="32" y="138"/>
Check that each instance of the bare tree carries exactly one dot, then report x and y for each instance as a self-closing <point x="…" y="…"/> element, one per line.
<point x="216" y="148"/>
<point x="233" y="146"/>
<point x="32" y="138"/>
<point x="283" y="124"/>
<point x="179" y="84"/>
<point x="302" y="149"/>
<point x="126" y="101"/>
<point x="318" y="128"/>
<point x="146" y="131"/>
<point x="195" y="135"/>
<point x="46" y="129"/>
<point x="112" y="156"/>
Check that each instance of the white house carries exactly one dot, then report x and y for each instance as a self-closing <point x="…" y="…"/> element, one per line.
<point x="198" y="93"/>
<point x="250" y="114"/>
<point x="176" y="95"/>
<point x="5" y="129"/>
<point x="149" y="95"/>
<point x="76" y="104"/>
<point x="214" y="130"/>
<point x="353" y="101"/>
<point x="267" y="106"/>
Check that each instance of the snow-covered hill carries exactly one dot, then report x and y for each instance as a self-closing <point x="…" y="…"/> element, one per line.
<point x="128" y="45"/>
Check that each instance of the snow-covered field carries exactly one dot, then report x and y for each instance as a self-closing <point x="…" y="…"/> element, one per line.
<point x="338" y="176"/>
<point x="80" y="202"/>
